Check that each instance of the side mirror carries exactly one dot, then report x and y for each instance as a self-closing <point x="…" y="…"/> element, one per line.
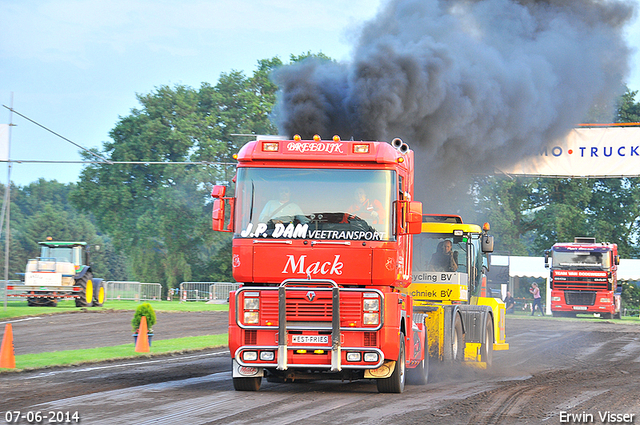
<point x="414" y="218"/>
<point x="217" y="215"/>
<point x="218" y="191"/>
<point x="487" y="243"/>
<point x="546" y="259"/>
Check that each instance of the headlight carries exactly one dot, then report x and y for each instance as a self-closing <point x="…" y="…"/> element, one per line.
<point x="370" y="357"/>
<point x="371" y="304"/>
<point x="370" y="318"/>
<point x="250" y="356"/>
<point x="605" y="300"/>
<point x="555" y="298"/>
<point x="353" y="357"/>
<point x="251" y="303"/>
<point x="267" y="356"/>
<point x="251" y="317"/>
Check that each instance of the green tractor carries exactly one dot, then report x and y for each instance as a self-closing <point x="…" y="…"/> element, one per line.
<point x="62" y="271"/>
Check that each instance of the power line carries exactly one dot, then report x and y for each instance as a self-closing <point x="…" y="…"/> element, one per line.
<point x="103" y="160"/>
<point x="60" y="136"/>
<point x="38" y="161"/>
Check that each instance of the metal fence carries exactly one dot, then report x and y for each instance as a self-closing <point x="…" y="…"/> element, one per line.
<point x="136" y="291"/>
<point x="206" y="291"/>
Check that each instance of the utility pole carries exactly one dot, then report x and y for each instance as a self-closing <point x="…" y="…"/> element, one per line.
<point x="8" y="209"/>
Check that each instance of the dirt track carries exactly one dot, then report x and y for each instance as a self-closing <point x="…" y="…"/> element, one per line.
<point x="91" y="329"/>
<point x="554" y="368"/>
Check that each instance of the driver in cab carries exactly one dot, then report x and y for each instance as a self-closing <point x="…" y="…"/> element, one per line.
<point x="282" y="210"/>
<point x="444" y="259"/>
<point x="365" y="208"/>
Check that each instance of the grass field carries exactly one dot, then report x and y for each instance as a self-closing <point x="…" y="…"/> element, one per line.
<point x="74" y="357"/>
<point x="17" y="309"/>
<point x="20" y="308"/>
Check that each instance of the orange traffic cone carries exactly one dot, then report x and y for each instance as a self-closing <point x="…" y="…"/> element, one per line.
<point x="7" y="355"/>
<point x="142" y="344"/>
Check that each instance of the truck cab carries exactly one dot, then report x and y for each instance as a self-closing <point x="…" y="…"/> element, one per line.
<point x="449" y="287"/>
<point x="584" y="278"/>
<point x="322" y="246"/>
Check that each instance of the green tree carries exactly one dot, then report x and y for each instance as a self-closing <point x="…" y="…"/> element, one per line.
<point x="159" y="214"/>
<point x="628" y="109"/>
<point x="506" y="203"/>
<point x="40" y="210"/>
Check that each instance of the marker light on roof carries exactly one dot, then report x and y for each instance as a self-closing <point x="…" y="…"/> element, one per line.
<point x="361" y="148"/>
<point x="234" y="156"/>
<point x="400" y="160"/>
<point x="297" y="137"/>
<point x="336" y="138"/>
<point x="486" y="227"/>
<point x="270" y="146"/>
<point x="316" y="138"/>
<point x="457" y="233"/>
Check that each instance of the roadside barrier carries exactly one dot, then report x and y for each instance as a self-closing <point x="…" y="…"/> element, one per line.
<point x="136" y="291"/>
<point x="206" y="291"/>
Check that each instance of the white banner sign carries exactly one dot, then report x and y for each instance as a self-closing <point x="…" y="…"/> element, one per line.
<point x="587" y="152"/>
<point x="4" y="142"/>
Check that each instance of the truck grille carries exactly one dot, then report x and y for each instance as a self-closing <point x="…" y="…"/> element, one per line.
<point x="250" y="337"/>
<point x="320" y="309"/>
<point x="580" y="298"/>
<point x="577" y="284"/>
<point x="370" y="339"/>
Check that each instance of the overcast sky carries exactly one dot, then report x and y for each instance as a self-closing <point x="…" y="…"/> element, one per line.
<point x="75" y="66"/>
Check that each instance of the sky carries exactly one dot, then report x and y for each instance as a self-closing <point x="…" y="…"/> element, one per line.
<point x="76" y="66"/>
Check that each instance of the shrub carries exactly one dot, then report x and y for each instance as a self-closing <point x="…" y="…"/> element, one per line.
<point x="146" y="310"/>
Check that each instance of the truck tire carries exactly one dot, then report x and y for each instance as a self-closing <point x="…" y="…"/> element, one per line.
<point x="99" y="294"/>
<point x="395" y="383"/>
<point x="42" y="302"/>
<point x="454" y="353"/>
<point x="247" y="384"/>
<point x="85" y="295"/>
<point x="50" y="302"/>
<point x="420" y="374"/>
<point x="486" y="352"/>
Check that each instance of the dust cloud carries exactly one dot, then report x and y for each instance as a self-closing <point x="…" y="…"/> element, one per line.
<point x="469" y="85"/>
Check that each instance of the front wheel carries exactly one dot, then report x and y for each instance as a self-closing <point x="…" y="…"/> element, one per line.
<point x="395" y="383"/>
<point x="99" y="295"/>
<point x="420" y="374"/>
<point x="85" y="295"/>
<point x="454" y="351"/>
<point x="486" y="353"/>
<point x="247" y="384"/>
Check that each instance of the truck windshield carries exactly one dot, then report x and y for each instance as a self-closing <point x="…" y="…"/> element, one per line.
<point x="60" y="254"/>
<point x="315" y="204"/>
<point x="581" y="259"/>
<point x="439" y="254"/>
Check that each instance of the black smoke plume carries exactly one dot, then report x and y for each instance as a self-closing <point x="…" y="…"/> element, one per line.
<point x="468" y="84"/>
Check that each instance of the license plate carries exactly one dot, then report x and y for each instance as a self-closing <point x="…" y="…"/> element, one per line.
<point x="43" y="279"/>
<point x="579" y="307"/>
<point x="309" y="339"/>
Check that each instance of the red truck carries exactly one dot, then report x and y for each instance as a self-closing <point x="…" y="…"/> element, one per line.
<point x="322" y="236"/>
<point x="584" y="278"/>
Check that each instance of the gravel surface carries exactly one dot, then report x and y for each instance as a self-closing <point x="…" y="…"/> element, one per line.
<point x="554" y="368"/>
<point x="91" y="329"/>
